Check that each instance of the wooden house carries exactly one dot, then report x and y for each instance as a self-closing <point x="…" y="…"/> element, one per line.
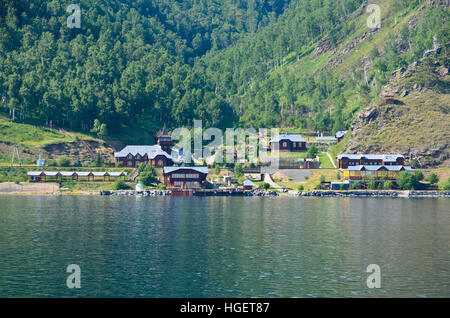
<point x="132" y="156"/>
<point x="185" y="177"/>
<point x="348" y="160"/>
<point x="288" y="142"/>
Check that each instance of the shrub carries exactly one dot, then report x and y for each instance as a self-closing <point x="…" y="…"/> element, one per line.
<point x="433" y="178"/>
<point x="372" y="184"/>
<point x="266" y="186"/>
<point x="419" y="175"/>
<point x="318" y="187"/>
<point x="388" y="185"/>
<point x="63" y="161"/>
<point x="77" y="163"/>
<point x="338" y="176"/>
<point x="407" y="181"/>
<point x="306" y="177"/>
<point x="322" y="179"/>
<point x="98" y="160"/>
<point x="161" y="187"/>
<point x="238" y="170"/>
<point x="380" y="186"/>
<point x="216" y="169"/>
<point x="300" y="187"/>
<point x="355" y="185"/>
<point x="313" y="151"/>
<point x="120" y="185"/>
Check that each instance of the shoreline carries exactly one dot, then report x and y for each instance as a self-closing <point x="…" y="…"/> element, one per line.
<point x="249" y="193"/>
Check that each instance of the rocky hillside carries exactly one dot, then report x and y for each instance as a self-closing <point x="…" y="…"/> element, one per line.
<point x="411" y="115"/>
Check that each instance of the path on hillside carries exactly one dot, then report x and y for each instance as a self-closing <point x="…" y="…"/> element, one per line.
<point x="81" y="140"/>
<point x="331" y="159"/>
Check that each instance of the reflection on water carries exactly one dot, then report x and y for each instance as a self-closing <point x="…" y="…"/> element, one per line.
<point x="224" y="247"/>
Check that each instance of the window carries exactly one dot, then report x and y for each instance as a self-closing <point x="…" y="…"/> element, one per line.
<point x="284" y="144"/>
<point x="178" y="183"/>
<point x="138" y="156"/>
<point x="160" y="163"/>
<point x="130" y="156"/>
<point x="129" y="163"/>
<point x="192" y="175"/>
<point x="178" y="175"/>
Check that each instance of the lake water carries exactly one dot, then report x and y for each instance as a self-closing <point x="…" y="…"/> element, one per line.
<point x="223" y="247"/>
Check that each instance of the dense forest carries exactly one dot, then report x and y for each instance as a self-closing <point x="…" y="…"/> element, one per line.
<point x="224" y="62"/>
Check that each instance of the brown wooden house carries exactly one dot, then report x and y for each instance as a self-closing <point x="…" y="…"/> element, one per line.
<point x="185" y="177"/>
<point x="348" y="160"/>
<point x="288" y="142"/>
<point x="132" y="156"/>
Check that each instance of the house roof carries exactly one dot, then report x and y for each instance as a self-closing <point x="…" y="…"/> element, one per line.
<point x="291" y="137"/>
<point x="341" y="133"/>
<point x="378" y="167"/>
<point x="150" y="151"/>
<point x="384" y="157"/>
<point x="199" y="169"/>
<point x="75" y="173"/>
<point x="248" y="183"/>
<point x="163" y="132"/>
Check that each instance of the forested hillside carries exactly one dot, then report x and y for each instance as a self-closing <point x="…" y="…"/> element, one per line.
<point x="129" y="59"/>
<point x="299" y="63"/>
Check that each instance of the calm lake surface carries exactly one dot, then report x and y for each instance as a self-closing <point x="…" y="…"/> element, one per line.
<point x="223" y="247"/>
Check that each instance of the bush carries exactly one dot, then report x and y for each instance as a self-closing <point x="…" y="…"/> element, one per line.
<point x="147" y="177"/>
<point x="380" y="186"/>
<point x="216" y="169"/>
<point x="355" y="185"/>
<point x="77" y="163"/>
<point x="407" y="181"/>
<point x="63" y="161"/>
<point x="419" y="175"/>
<point x="300" y="187"/>
<point x="120" y="185"/>
<point x="266" y="186"/>
<point x="313" y="151"/>
<point x="238" y="170"/>
<point x="322" y="179"/>
<point x="388" y="185"/>
<point x="338" y="176"/>
<point x="372" y="184"/>
<point x="161" y="187"/>
<point x="318" y="187"/>
<point x="98" y="160"/>
<point x="433" y="178"/>
<point x="306" y="177"/>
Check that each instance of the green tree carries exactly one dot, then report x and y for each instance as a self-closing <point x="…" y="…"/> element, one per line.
<point x="238" y="170"/>
<point x="433" y="178"/>
<point x="407" y="181"/>
<point x="63" y="161"/>
<point x="266" y="186"/>
<point x="120" y="185"/>
<point x="313" y="151"/>
<point x="419" y="175"/>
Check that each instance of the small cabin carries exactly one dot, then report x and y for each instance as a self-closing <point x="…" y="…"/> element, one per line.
<point x="248" y="185"/>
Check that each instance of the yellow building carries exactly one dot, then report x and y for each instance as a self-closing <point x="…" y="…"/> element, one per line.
<point x="374" y="172"/>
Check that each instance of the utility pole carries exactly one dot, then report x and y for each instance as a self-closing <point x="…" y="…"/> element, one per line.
<point x="15" y="151"/>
